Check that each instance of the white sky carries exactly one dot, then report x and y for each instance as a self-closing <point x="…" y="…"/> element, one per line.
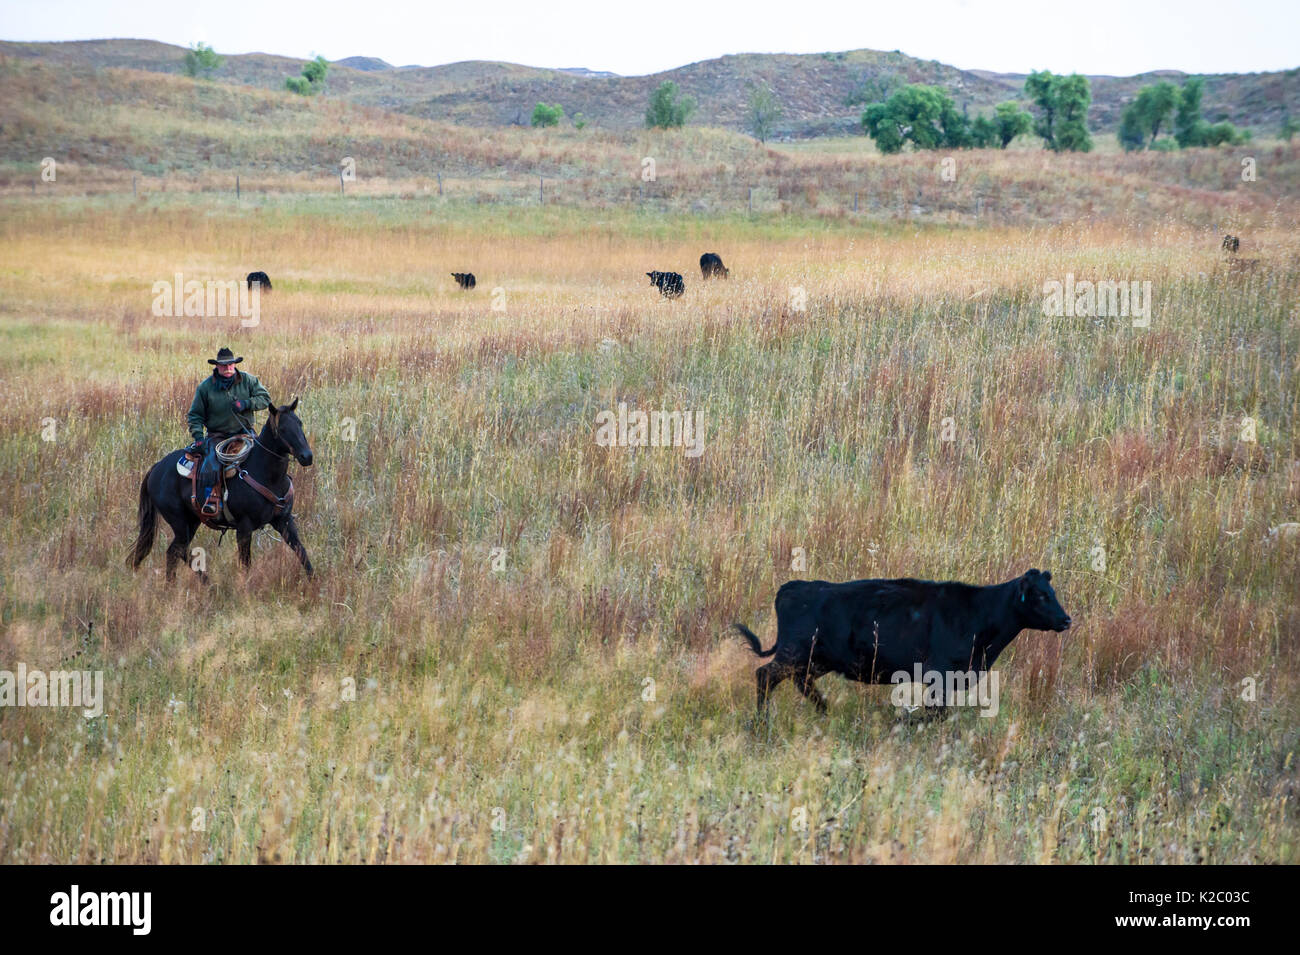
<point x="631" y="37"/>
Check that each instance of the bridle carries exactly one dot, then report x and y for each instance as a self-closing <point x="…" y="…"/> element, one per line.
<point x="275" y="430"/>
<point x="277" y="454"/>
<point x="279" y="505"/>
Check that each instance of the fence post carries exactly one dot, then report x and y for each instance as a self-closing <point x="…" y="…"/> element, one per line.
<point x="236" y="188"/>
<point x="751" y="200"/>
<point x="855" y="202"/>
<point x="439" y="182"/>
<point x="342" y="190"/>
<point x="539" y="189"/>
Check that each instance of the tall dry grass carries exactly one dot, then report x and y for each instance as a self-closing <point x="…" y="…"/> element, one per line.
<point x="586" y="703"/>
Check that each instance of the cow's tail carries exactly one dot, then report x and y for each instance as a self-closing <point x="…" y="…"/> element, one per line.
<point x="752" y="639"/>
<point x="148" y="515"/>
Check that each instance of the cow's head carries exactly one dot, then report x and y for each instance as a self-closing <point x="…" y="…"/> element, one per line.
<point x="656" y="278"/>
<point x="1037" y="604"/>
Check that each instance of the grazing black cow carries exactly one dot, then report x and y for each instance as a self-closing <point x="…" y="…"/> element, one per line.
<point x="261" y="278"/>
<point x="1231" y="243"/>
<point x="711" y="266"/>
<point x="868" y="630"/>
<point x="669" y="284"/>
<point x="464" y="279"/>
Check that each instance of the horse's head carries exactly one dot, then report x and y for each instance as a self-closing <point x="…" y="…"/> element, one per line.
<point x="286" y="426"/>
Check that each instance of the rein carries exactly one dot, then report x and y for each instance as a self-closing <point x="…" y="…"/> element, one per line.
<point x="278" y="503"/>
<point x="275" y="431"/>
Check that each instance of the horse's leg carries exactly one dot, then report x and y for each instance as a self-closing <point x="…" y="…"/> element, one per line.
<point x="244" y="537"/>
<point x="183" y="531"/>
<point x="288" y="529"/>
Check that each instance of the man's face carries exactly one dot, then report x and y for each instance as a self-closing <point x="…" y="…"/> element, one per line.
<point x="225" y="371"/>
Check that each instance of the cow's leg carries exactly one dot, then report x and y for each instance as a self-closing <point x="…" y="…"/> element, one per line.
<point x="768" y="677"/>
<point x="804" y="681"/>
<point x="289" y="531"/>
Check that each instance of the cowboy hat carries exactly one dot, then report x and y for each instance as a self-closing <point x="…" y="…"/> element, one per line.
<point x="225" y="357"/>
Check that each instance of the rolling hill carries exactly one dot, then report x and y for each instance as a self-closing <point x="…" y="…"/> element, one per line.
<point x="821" y="94"/>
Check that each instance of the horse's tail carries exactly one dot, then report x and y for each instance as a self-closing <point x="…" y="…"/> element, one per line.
<point x="148" y="526"/>
<point x="752" y="639"/>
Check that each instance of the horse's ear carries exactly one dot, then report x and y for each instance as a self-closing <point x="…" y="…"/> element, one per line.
<point x="293" y="404"/>
<point x="272" y="410"/>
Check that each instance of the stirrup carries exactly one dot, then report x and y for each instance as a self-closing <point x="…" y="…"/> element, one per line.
<point x="212" y="506"/>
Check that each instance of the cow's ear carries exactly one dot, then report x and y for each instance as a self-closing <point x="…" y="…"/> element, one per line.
<point x="1047" y="575"/>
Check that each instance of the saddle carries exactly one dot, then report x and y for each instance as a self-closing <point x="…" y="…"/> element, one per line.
<point x="220" y="463"/>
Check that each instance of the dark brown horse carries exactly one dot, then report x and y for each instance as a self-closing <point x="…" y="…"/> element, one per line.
<point x="164" y="491"/>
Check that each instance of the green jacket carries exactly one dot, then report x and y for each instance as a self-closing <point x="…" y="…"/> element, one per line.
<point x="214" y="407"/>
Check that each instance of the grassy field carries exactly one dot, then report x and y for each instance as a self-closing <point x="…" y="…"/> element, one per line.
<point x="584" y="701"/>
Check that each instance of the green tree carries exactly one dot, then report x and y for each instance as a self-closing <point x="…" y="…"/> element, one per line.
<point x="1189" y="128"/>
<point x="1010" y="121"/>
<point x="579" y="121"/>
<point x="763" y="112"/>
<point x="1073" y="97"/>
<point x="544" y="115"/>
<point x="201" y="60"/>
<point x="954" y="126"/>
<point x="1289" y="128"/>
<point x="921" y="115"/>
<point x="667" y="108"/>
<point x="312" y="80"/>
<point x="1063" y="102"/>
<point x="983" y="133"/>
<point x="1142" y="119"/>
<point x="1040" y="88"/>
<point x="1132" y="134"/>
<point x="1225" y="134"/>
<point x="1154" y="105"/>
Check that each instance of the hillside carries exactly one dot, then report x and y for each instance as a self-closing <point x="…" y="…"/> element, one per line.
<point x="115" y="130"/>
<point x="817" y="91"/>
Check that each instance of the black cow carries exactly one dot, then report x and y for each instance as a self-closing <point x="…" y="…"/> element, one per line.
<point x="1231" y="243"/>
<point x="868" y="630"/>
<point x="669" y="284"/>
<point x="464" y="279"/>
<point x="261" y="278"/>
<point x="711" y="266"/>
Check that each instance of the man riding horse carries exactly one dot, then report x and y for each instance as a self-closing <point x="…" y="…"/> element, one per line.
<point x="223" y="403"/>
<point x="259" y="492"/>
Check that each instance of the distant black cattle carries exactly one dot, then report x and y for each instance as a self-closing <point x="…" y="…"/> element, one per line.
<point x="261" y="278"/>
<point x="711" y="266"/>
<point x="1231" y="243"/>
<point x="868" y="630"/>
<point x="464" y="279"/>
<point x="669" y="284"/>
